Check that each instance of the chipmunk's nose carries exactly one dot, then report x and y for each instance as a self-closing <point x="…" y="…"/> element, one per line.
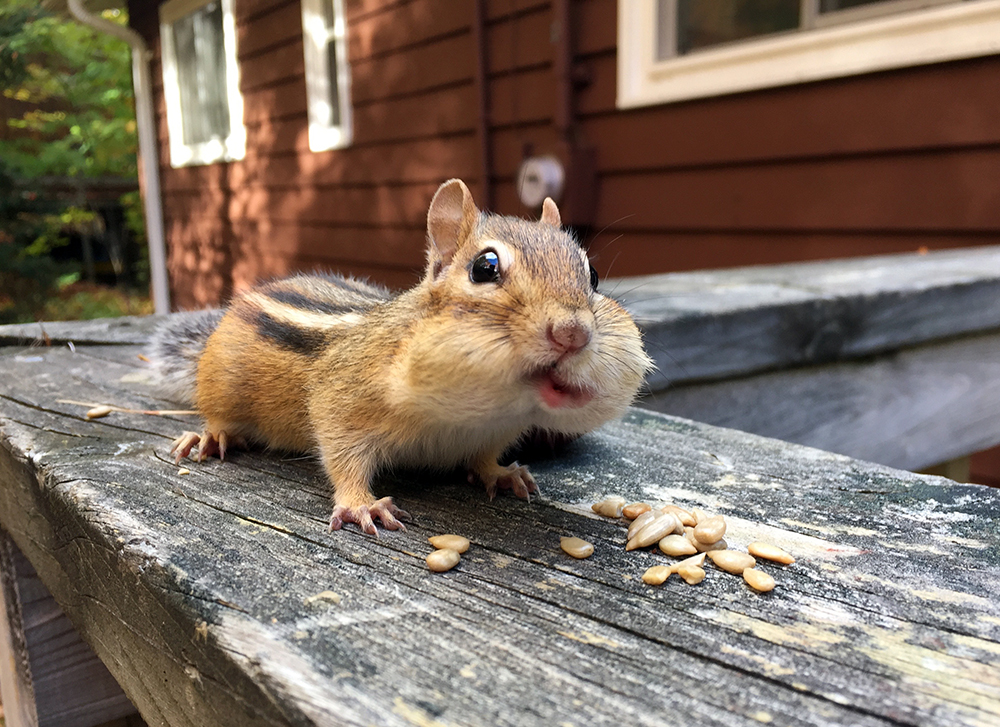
<point x="568" y="336"/>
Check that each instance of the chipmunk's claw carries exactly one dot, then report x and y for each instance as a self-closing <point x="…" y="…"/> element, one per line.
<point x="362" y="515"/>
<point x="183" y="445"/>
<point x="208" y="444"/>
<point x="512" y="477"/>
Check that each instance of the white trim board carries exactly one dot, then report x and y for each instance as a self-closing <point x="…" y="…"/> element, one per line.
<point x="932" y="35"/>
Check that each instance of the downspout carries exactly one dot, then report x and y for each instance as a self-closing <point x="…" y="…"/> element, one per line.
<point x="483" y="88"/>
<point x="148" y="148"/>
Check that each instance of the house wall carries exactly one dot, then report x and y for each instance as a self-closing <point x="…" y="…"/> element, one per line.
<point x="879" y="163"/>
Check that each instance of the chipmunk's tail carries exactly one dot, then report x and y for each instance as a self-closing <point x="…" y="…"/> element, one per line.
<point x="175" y="349"/>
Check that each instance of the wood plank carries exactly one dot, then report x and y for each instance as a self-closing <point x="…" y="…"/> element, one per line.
<point x="68" y="686"/>
<point x="909" y="409"/>
<point x="280" y="101"/>
<point x="385" y="245"/>
<point x="279" y="63"/>
<point x="248" y="11"/>
<point x="803" y="121"/>
<point x="520" y="42"/>
<point x="882" y="621"/>
<point x="522" y="98"/>
<point x="412" y="70"/>
<point x="275" y="26"/>
<point x="727" y="323"/>
<point x="407" y="162"/>
<point x="347" y="206"/>
<point x="618" y="251"/>
<point x="501" y="9"/>
<point x="405" y="25"/>
<point x="957" y="190"/>
<point x="596" y="28"/>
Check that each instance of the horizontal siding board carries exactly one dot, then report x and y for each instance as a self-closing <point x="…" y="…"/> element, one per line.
<point x="508" y="146"/>
<point x="873" y="113"/>
<point x="424" y="161"/>
<point x="503" y="9"/>
<point x="444" y="112"/>
<point x="280" y="25"/>
<point x="407" y="25"/>
<point x="276" y="64"/>
<point x="527" y="97"/>
<point x="251" y="10"/>
<point x="444" y="62"/>
<point x="596" y="26"/>
<point x="357" y="9"/>
<point x="350" y="207"/>
<point x="519" y="42"/>
<point x="957" y="191"/>
<point x="403" y="247"/>
<point x="282" y="100"/>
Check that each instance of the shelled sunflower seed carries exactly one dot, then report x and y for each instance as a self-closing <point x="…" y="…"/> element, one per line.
<point x="455" y="542"/>
<point x="635" y="510"/>
<point x="609" y="507"/>
<point x="443" y="559"/>
<point x="769" y="552"/>
<point x="681" y="532"/>
<point x="576" y="547"/>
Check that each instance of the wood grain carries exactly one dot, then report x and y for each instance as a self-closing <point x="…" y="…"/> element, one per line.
<point x="909" y="409"/>
<point x="192" y="588"/>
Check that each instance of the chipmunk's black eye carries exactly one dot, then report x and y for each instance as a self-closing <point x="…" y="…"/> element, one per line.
<point x="485" y="268"/>
<point x="594" y="278"/>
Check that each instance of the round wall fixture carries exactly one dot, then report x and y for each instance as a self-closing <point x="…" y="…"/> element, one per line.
<point x="538" y="178"/>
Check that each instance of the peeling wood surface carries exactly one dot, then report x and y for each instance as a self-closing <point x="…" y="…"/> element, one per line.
<point x="193" y="588"/>
<point x="721" y="324"/>
<point x="910" y="409"/>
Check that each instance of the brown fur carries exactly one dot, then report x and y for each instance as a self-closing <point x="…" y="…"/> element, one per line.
<point x="444" y="374"/>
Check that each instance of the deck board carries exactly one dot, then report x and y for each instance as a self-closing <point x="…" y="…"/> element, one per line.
<point x="890" y="615"/>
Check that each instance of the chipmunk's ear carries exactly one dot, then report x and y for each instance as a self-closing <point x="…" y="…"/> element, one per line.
<point x="450" y="220"/>
<point x="550" y="213"/>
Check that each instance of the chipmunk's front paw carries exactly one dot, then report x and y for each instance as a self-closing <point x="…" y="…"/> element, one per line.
<point x="208" y="444"/>
<point x="362" y="515"/>
<point x="512" y="477"/>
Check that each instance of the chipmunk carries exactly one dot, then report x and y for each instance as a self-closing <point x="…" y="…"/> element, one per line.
<point x="505" y="333"/>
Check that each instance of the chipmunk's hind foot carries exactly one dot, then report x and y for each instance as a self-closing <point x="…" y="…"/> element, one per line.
<point x="362" y="515"/>
<point x="208" y="444"/>
<point x="512" y="477"/>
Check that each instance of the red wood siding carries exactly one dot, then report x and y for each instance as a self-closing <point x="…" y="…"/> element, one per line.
<point x="877" y="163"/>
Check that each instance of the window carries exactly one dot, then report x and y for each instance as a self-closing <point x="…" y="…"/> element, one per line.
<point x="328" y="77"/>
<point x="201" y="82"/>
<point x="669" y="50"/>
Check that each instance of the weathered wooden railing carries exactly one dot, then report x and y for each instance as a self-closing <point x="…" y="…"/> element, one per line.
<point x="195" y="590"/>
<point x="891" y="359"/>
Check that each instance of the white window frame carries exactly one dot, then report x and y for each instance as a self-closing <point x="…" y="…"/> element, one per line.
<point x="317" y="36"/>
<point x="231" y="148"/>
<point x="922" y="36"/>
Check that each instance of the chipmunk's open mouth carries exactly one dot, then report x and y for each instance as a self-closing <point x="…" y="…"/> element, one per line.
<point x="558" y="394"/>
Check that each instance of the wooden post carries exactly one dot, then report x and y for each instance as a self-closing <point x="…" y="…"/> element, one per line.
<point x="48" y="676"/>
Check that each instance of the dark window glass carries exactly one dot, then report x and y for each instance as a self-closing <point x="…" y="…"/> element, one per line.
<point x="201" y="74"/>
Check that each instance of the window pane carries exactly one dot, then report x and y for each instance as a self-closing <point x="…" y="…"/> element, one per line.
<point x="331" y="64"/>
<point x="201" y="75"/>
<point x="706" y="23"/>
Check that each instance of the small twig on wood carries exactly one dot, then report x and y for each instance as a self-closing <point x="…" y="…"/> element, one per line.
<point x="100" y="410"/>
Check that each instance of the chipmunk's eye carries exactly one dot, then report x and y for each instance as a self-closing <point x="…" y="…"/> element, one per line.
<point x="485" y="268"/>
<point x="594" y="278"/>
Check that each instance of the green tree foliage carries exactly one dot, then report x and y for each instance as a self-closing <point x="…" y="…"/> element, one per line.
<point x="81" y="119"/>
<point x="74" y="85"/>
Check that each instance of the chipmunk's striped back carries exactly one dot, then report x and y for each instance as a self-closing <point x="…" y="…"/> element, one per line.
<point x="296" y="314"/>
